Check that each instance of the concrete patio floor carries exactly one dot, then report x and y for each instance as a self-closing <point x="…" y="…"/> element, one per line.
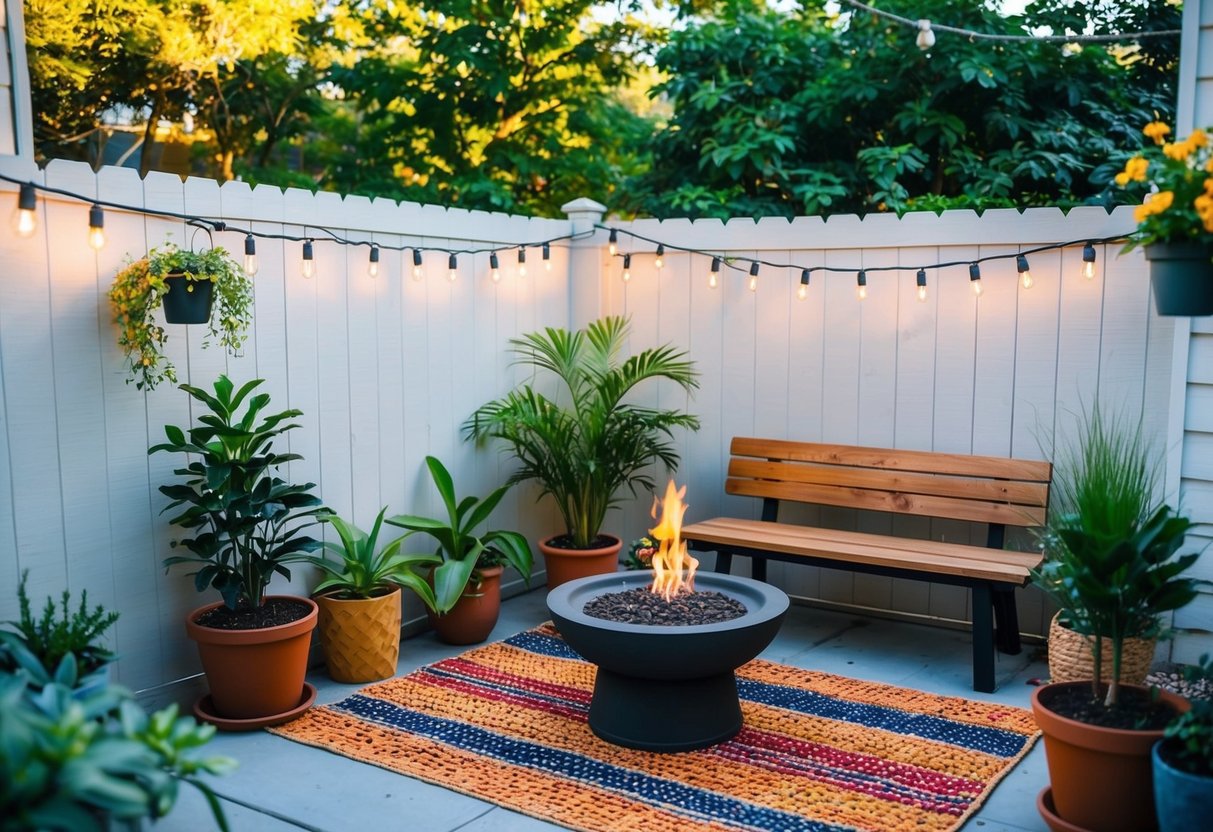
<point x="282" y="785"/>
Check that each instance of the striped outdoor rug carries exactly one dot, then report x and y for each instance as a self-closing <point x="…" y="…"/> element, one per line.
<point x="506" y="723"/>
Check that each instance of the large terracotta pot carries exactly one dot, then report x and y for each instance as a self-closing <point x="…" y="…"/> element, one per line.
<point x="564" y="565"/>
<point x="1101" y="777"/>
<point x="360" y="636"/>
<point x="475" y="613"/>
<point x="1182" y="277"/>
<point x="254" y="673"/>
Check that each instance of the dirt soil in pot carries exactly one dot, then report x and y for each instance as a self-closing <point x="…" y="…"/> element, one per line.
<point x="274" y="612"/>
<point x="1137" y="710"/>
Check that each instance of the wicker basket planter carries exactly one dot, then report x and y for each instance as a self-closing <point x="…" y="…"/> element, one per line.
<point x="361" y="637"/>
<point x="1071" y="660"/>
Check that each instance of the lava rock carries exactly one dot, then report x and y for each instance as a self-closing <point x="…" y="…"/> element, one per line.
<point x="640" y="606"/>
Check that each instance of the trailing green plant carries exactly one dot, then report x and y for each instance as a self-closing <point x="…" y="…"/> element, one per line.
<point x="77" y="763"/>
<point x="1111" y="547"/>
<point x="1191" y="749"/>
<point x="140" y="287"/>
<point x="58" y="632"/>
<point x="585" y="449"/>
<point x="362" y="571"/>
<point x="248" y="521"/>
<point x="460" y="551"/>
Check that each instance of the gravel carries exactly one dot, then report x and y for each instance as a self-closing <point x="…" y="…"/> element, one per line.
<point x="640" y="606"/>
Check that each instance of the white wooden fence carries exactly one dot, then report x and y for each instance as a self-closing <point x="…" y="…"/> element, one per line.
<point x="386" y="369"/>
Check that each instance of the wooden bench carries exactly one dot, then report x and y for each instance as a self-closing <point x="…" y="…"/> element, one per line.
<point x="996" y="491"/>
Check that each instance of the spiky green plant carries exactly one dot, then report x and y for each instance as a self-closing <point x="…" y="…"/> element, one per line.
<point x="1111" y="546"/>
<point x="586" y="447"/>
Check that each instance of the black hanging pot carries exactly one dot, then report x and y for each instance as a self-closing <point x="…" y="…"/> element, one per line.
<point x="1182" y="277"/>
<point x="187" y="301"/>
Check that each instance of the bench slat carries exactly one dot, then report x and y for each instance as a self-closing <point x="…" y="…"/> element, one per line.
<point x="926" y="505"/>
<point x="972" y="562"/>
<point x="927" y="462"/>
<point x="966" y="488"/>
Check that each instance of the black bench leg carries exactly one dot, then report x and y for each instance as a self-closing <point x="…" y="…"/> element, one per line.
<point x="758" y="569"/>
<point x="983" y="639"/>
<point x="1006" y="620"/>
<point x="724" y="561"/>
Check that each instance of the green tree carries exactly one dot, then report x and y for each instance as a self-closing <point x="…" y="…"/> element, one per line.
<point x="779" y="113"/>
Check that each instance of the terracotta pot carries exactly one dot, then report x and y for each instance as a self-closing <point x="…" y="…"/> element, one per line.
<point x="1182" y="277"/>
<point x="475" y="613"/>
<point x="1100" y="777"/>
<point x="254" y="673"/>
<point x="360" y="636"/>
<point x="564" y="565"/>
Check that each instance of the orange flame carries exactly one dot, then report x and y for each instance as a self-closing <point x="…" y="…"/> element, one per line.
<point x="671" y="558"/>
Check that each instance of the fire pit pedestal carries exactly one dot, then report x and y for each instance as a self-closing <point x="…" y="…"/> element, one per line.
<point x="666" y="688"/>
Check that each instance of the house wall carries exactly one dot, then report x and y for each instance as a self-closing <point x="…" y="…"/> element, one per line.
<point x="1193" y="349"/>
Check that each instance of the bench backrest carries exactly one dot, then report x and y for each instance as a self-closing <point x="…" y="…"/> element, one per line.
<point x="983" y="489"/>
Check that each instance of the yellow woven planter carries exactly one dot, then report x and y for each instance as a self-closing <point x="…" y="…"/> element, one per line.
<point x="1071" y="659"/>
<point x="361" y="638"/>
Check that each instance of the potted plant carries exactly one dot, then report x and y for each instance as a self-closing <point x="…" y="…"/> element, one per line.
<point x="1112" y="566"/>
<point x="359" y="600"/>
<point x="47" y="639"/>
<point x="467" y="576"/>
<point x="1175" y="219"/>
<point x="586" y="447"/>
<point x="192" y="287"/>
<point x="1183" y="762"/>
<point x="247" y="525"/>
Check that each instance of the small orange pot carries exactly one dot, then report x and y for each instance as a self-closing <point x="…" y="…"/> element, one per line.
<point x="254" y="673"/>
<point x="360" y="636"/>
<point x="475" y="613"/>
<point x="1101" y="778"/>
<point x="564" y="565"/>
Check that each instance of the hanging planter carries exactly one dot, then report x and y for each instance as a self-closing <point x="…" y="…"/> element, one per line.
<point x="193" y="288"/>
<point x="1182" y="277"/>
<point x="187" y="301"/>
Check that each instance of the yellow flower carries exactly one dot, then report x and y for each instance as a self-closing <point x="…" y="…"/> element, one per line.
<point x="1154" y="204"/>
<point x="1178" y="151"/>
<point x="1198" y="138"/>
<point x="1156" y="130"/>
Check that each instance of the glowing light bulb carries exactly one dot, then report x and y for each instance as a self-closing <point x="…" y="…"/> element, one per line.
<point x="921" y="280"/>
<point x="660" y="261"/>
<point x="975" y="279"/>
<point x="714" y="274"/>
<point x="753" y="284"/>
<point x="1088" y="261"/>
<point x="494" y="268"/>
<point x="613" y="243"/>
<point x="452" y="265"/>
<point x="861" y="285"/>
<point x="308" y="268"/>
<point x="802" y="291"/>
<point x="25" y="220"/>
<point x="96" y="227"/>
<point x="522" y="262"/>
<point x="1025" y="274"/>
<point x="861" y="292"/>
<point x="627" y="268"/>
<point x="547" y="257"/>
<point x="250" y="256"/>
<point x="1088" y="271"/>
<point x="372" y="263"/>
<point x="418" y="268"/>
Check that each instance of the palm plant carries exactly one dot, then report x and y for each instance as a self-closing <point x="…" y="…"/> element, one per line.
<point x="584" y="449"/>
<point x="1111" y="547"/>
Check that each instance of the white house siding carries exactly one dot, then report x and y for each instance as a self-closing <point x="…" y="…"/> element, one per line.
<point x="1196" y="429"/>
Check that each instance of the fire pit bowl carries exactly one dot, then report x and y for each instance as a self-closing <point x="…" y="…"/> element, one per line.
<point x="666" y="688"/>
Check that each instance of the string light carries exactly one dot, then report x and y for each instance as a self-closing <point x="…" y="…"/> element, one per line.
<point x="372" y="262"/>
<point x="452" y="266"/>
<point x="25" y="220"/>
<point x="1088" y="261"/>
<point x="714" y="274"/>
<point x="613" y="243"/>
<point x="627" y="268"/>
<point x="250" y="256"/>
<point x="802" y="291"/>
<point x="96" y="227"/>
<point x="926" y="38"/>
<point x="494" y="267"/>
<point x="522" y="261"/>
<point x="921" y="280"/>
<point x="1025" y="274"/>
<point x="308" y="266"/>
<point x="418" y="269"/>
<point x="659" y="262"/>
<point x="861" y="285"/>
<point x="547" y="257"/>
<point x="975" y="278"/>
<point x="754" y="276"/>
